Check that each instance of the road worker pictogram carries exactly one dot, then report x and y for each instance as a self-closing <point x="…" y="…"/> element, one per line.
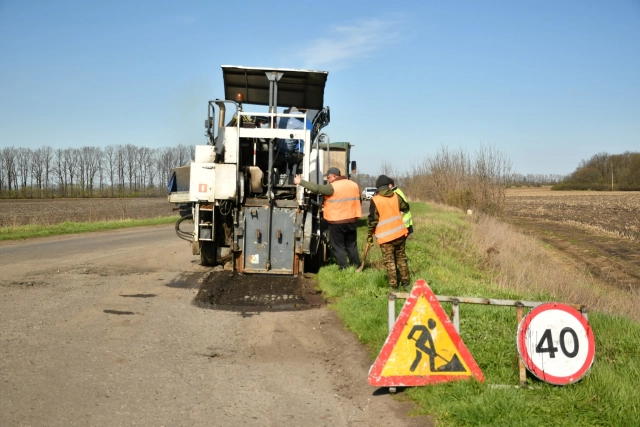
<point x="423" y="347"/>
<point x="453" y="365"/>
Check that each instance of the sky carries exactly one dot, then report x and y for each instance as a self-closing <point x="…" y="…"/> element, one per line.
<point x="547" y="83"/>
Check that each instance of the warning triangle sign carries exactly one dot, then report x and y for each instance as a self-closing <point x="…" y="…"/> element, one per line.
<point x="423" y="347"/>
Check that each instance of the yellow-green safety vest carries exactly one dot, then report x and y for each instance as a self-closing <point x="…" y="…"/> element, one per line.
<point x="406" y="217"/>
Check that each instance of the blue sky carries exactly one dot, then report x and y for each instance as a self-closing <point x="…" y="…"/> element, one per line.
<point x="548" y="83"/>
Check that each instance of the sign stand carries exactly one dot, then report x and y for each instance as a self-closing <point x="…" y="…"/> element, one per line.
<point x="455" y="317"/>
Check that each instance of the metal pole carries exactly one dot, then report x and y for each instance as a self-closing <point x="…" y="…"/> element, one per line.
<point x="455" y="314"/>
<point x="273" y="78"/>
<point x="392" y="311"/>
<point x="522" y="372"/>
<point x="328" y="140"/>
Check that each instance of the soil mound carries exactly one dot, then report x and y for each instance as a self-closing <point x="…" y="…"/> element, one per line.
<point x="226" y="290"/>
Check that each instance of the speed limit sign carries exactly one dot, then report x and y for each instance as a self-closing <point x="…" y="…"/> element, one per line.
<point x="556" y="343"/>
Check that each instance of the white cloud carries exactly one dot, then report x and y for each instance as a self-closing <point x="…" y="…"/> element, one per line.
<point x="350" y="43"/>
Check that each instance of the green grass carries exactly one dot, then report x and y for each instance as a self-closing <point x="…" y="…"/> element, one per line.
<point x="35" y="230"/>
<point x="441" y="253"/>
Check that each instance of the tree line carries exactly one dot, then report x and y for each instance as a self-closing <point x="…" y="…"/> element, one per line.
<point x="605" y="172"/>
<point x="536" y="179"/>
<point x="111" y="171"/>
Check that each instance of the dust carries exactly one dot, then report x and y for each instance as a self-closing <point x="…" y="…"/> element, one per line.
<point x="227" y="290"/>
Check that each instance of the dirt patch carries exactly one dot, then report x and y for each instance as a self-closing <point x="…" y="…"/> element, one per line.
<point x="24" y="284"/>
<point x="186" y="281"/>
<point x="17" y="212"/>
<point x="610" y="214"/>
<point x="598" y="230"/>
<point x="139" y="296"/>
<point x="614" y="261"/>
<point x="118" y="312"/>
<point x="226" y="290"/>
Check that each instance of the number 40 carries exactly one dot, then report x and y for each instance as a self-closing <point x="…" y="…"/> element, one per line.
<point x="546" y="340"/>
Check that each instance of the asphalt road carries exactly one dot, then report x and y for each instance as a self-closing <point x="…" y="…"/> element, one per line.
<point x="99" y="329"/>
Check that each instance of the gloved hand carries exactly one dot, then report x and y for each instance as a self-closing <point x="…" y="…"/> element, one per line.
<point x="370" y="239"/>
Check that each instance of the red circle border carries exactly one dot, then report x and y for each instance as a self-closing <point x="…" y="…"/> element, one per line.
<point x="522" y="348"/>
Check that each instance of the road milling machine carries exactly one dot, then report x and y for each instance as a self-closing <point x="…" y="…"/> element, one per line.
<point x="239" y="190"/>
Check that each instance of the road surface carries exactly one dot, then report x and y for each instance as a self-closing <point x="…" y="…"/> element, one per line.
<point x="99" y="329"/>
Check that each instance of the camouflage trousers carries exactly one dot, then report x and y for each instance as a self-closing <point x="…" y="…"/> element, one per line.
<point x="394" y="257"/>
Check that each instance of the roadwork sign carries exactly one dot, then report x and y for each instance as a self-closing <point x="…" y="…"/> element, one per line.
<point x="423" y="346"/>
<point x="556" y="343"/>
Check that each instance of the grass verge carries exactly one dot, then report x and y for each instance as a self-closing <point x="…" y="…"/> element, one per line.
<point x="444" y="253"/>
<point x="37" y="230"/>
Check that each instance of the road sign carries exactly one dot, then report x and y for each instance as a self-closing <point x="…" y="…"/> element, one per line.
<point x="556" y="343"/>
<point x="423" y="346"/>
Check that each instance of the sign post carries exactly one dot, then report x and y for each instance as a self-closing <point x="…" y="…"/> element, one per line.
<point x="556" y="344"/>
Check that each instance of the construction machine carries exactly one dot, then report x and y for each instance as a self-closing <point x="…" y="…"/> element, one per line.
<point x="239" y="189"/>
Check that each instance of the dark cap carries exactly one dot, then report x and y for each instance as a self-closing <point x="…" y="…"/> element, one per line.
<point x="383" y="181"/>
<point x="333" y="171"/>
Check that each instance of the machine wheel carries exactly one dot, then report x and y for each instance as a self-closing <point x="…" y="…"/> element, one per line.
<point x="208" y="253"/>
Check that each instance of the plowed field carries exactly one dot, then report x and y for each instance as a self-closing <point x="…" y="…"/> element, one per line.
<point x="599" y="229"/>
<point x="14" y="212"/>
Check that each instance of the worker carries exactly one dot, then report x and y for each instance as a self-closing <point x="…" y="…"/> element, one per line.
<point x="406" y="216"/>
<point x="385" y="222"/>
<point x="341" y="211"/>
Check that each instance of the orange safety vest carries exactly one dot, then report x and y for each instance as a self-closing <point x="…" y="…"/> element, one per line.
<point x="344" y="204"/>
<point x="390" y="224"/>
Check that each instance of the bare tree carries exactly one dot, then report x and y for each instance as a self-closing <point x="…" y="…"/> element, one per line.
<point x="81" y="170"/>
<point x="91" y="158"/>
<point x="458" y="179"/>
<point x="121" y="156"/>
<point x="143" y="156"/>
<point x="131" y="160"/>
<point x="164" y="163"/>
<point x="110" y="154"/>
<point x="47" y="162"/>
<point x="24" y="168"/>
<point x="101" y="172"/>
<point x="2" y="172"/>
<point x="71" y="159"/>
<point x="386" y="168"/>
<point x="9" y="155"/>
<point x="37" y="168"/>
<point x="73" y="172"/>
<point x="61" y="171"/>
<point x="184" y="155"/>
<point x="151" y="169"/>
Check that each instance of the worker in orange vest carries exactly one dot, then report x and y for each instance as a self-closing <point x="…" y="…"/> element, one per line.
<point x="385" y="222"/>
<point x="341" y="211"/>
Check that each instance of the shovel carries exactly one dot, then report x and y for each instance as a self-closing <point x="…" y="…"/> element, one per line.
<point x="364" y="257"/>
